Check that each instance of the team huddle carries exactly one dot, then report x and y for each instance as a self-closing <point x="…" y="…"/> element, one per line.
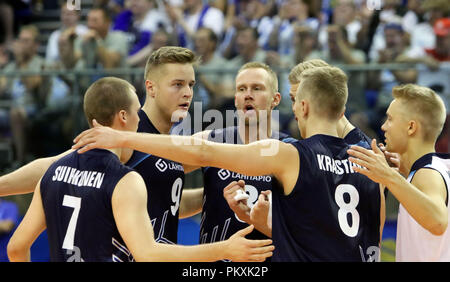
<point x="117" y="194"/>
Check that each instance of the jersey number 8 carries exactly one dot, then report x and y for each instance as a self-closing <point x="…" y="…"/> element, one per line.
<point x="347" y="208"/>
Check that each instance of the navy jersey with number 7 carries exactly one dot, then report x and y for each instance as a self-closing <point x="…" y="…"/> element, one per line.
<point x="76" y="195"/>
<point x="332" y="213"/>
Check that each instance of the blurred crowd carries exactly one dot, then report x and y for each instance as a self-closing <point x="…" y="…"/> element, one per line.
<point x="226" y="34"/>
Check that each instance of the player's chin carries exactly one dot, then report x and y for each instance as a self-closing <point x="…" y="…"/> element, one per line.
<point x="179" y="115"/>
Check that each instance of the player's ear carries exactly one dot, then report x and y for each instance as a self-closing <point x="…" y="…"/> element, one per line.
<point x="305" y="107"/>
<point x="412" y="127"/>
<point x="276" y="100"/>
<point x="122" y="117"/>
<point x="150" y="88"/>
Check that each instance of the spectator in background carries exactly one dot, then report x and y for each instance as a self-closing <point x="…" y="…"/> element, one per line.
<point x="196" y="14"/>
<point x="158" y="39"/>
<point x="247" y="48"/>
<point x="100" y="47"/>
<point x="25" y="92"/>
<point x="209" y="87"/>
<point x="344" y="15"/>
<point x="9" y="218"/>
<point x="389" y="14"/>
<point x="69" y="20"/>
<point x="423" y="37"/>
<point x="114" y="7"/>
<point x="240" y="14"/>
<point x="339" y="52"/>
<point x="413" y="16"/>
<point x="441" y="51"/>
<point x="279" y="37"/>
<point x="139" y="22"/>
<point x="396" y="51"/>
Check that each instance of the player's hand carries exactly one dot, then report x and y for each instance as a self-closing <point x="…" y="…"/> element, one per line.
<point x="239" y="207"/>
<point x="373" y="162"/>
<point x="260" y="211"/>
<point x="393" y="159"/>
<point x="240" y="249"/>
<point x="98" y="136"/>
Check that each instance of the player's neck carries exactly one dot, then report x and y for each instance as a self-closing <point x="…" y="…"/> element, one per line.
<point x="344" y="127"/>
<point x="117" y="152"/>
<point x="415" y="151"/>
<point x="162" y="124"/>
<point x="251" y="132"/>
<point x="321" y="126"/>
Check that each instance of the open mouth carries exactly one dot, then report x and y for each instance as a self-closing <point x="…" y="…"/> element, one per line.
<point x="184" y="106"/>
<point x="248" y="108"/>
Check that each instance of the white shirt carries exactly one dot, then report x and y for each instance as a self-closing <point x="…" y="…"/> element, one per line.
<point x="415" y="243"/>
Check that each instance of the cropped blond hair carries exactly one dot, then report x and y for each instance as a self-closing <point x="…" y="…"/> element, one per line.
<point x="169" y="55"/>
<point x="326" y="87"/>
<point x="294" y="75"/>
<point x="426" y="105"/>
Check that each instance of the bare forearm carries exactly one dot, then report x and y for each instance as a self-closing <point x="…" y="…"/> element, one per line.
<point x="177" y="253"/>
<point x="421" y="207"/>
<point x="198" y="152"/>
<point x="191" y="202"/>
<point x="24" y="180"/>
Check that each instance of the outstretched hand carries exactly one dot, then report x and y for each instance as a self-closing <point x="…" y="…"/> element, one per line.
<point x="373" y="162"/>
<point x="242" y="249"/>
<point x="98" y="136"/>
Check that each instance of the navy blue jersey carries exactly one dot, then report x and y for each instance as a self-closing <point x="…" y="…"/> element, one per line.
<point x="357" y="137"/>
<point x="332" y="213"/>
<point x="76" y="195"/>
<point x="219" y="222"/>
<point x="164" y="180"/>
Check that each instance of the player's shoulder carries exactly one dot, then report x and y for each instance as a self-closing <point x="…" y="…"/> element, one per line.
<point x="132" y="181"/>
<point x="357" y="137"/>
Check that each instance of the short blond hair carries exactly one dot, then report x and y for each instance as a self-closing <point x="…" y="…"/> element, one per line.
<point x="294" y="75"/>
<point x="426" y="105"/>
<point x="169" y="55"/>
<point x="326" y="87"/>
<point x="257" y="65"/>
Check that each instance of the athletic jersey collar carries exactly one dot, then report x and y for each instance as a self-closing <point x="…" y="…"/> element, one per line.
<point x="145" y="124"/>
<point x="426" y="159"/>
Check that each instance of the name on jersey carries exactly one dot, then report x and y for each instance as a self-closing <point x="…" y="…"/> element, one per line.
<point x="78" y="178"/>
<point x="225" y="174"/>
<point x="339" y="167"/>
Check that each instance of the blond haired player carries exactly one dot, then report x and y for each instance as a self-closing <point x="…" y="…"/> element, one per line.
<point x="415" y="119"/>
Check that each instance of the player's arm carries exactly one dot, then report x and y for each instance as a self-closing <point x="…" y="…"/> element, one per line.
<point x="191" y="202"/>
<point x="264" y="157"/>
<point x="24" y="179"/>
<point x="382" y="210"/>
<point x="423" y="198"/>
<point x="203" y="135"/>
<point x="129" y="204"/>
<point x="192" y="199"/>
<point x="29" y="229"/>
